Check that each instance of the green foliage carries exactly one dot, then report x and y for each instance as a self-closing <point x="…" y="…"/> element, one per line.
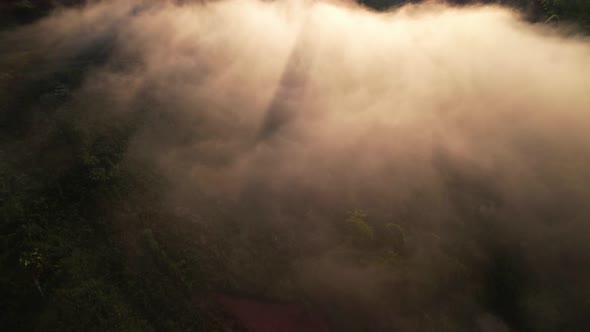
<point x="91" y="305"/>
<point x="395" y="235"/>
<point x="577" y="11"/>
<point x="359" y="231"/>
<point x="65" y="254"/>
<point x="34" y="262"/>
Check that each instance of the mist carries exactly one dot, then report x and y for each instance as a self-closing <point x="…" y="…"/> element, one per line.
<point x="458" y="136"/>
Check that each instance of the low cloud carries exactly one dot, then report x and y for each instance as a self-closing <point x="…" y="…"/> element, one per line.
<point x="438" y="119"/>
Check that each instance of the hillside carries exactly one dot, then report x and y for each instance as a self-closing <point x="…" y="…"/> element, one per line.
<point x="168" y="167"/>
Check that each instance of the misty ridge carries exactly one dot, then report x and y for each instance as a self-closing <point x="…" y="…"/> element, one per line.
<point x="423" y="168"/>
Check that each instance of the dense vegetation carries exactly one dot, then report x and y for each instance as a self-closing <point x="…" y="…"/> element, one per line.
<point x="86" y="244"/>
<point x="573" y="11"/>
